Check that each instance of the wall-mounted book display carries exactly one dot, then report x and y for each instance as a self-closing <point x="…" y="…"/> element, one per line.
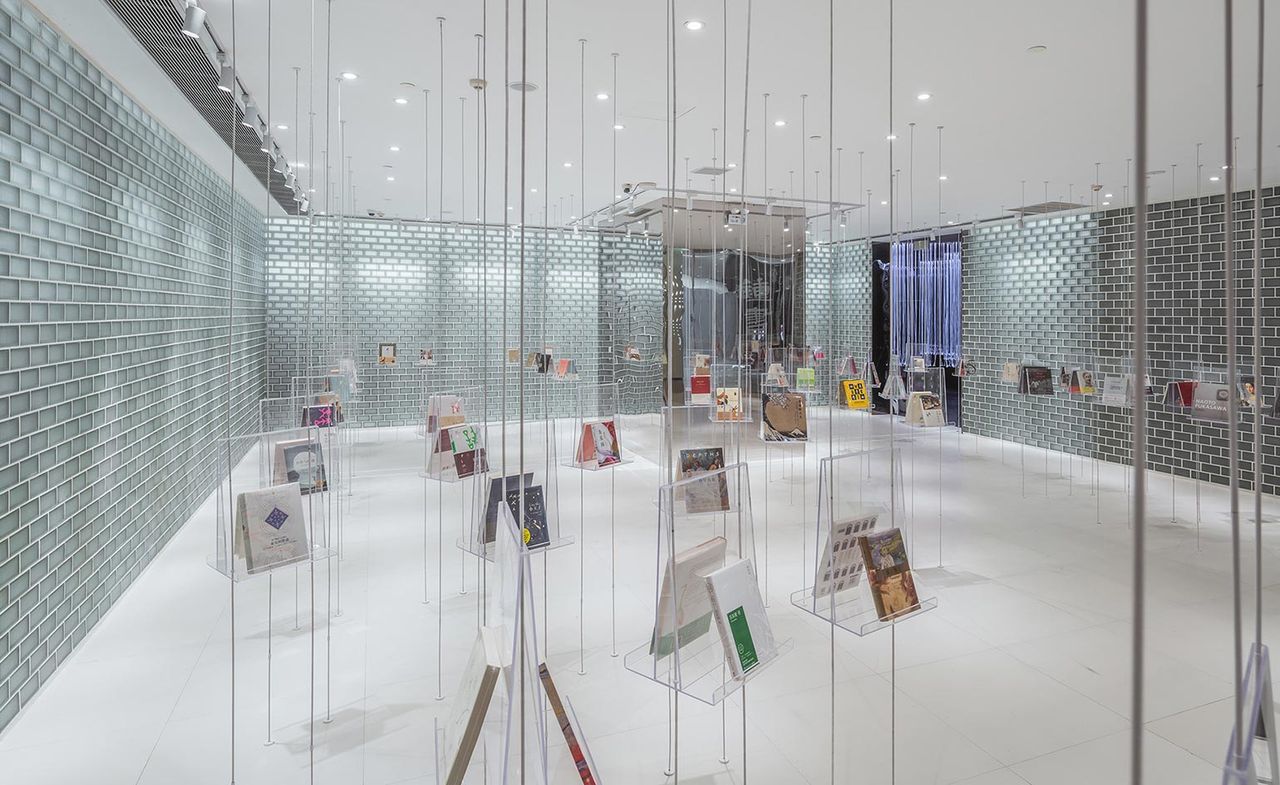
<point x="710" y="632"/>
<point x="861" y="505"/>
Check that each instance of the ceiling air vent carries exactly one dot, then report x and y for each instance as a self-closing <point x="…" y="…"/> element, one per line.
<point x="714" y="171"/>
<point x="1046" y="207"/>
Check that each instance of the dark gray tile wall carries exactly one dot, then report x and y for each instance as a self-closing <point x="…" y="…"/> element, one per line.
<point x="113" y="346"/>
<point x="361" y="282"/>
<point x="1060" y="290"/>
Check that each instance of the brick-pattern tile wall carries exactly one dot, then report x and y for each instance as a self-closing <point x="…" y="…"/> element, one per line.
<point x="1060" y="290"/>
<point x="113" y="343"/>
<point x="837" y="278"/>
<point x="346" y="286"/>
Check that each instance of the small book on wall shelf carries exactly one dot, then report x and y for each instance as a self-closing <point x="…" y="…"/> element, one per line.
<point x="598" y="445"/>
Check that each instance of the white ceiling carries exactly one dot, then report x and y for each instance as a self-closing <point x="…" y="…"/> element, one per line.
<point x="1009" y="115"/>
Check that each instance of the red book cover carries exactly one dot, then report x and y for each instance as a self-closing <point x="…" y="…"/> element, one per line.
<point x="700" y="385"/>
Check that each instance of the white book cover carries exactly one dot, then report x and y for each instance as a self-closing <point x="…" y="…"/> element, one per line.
<point x="1116" y="390"/>
<point x="471" y="702"/>
<point x="270" y="528"/>
<point x="683" y="603"/>
<point x="841" y="564"/>
<point x="739" y="613"/>
<point x="775" y="375"/>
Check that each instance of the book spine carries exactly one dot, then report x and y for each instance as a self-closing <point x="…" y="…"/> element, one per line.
<point x="562" y="719"/>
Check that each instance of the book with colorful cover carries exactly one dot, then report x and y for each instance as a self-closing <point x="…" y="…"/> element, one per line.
<point x="270" y="530"/>
<point x="855" y="393"/>
<point x="566" y="729"/>
<point x="562" y="368"/>
<point x="728" y="404"/>
<point x="684" y="608"/>
<point x="738" y="609"/>
<point x="1036" y="380"/>
<point x="1180" y="393"/>
<point x="300" y="461"/>
<point x="469" y="457"/>
<point x="1081" y="382"/>
<point x="533" y="529"/>
<point x="841" y="563"/>
<point x="783" y="417"/>
<point x="444" y="411"/>
<point x="710" y="494"/>
<point x="775" y="376"/>
<point x="321" y="416"/>
<point x="499" y="487"/>
<point x="599" y="445"/>
<point x="806" y="378"/>
<point x="699" y="389"/>
<point x="925" y="409"/>
<point x="386" y="354"/>
<point x="893" y="590"/>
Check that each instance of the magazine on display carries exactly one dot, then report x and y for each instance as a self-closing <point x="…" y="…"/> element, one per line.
<point x="469" y="457"/>
<point x="632" y="353"/>
<point x="533" y="529"/>
<point x="330" y="399"/>
<point x="841" y="563"/>
<point x="711" y="494"/>
<point x="531" y="361"/>
<point x="893" y="590"/>
<point x="1117" y="390"/>
<point x="855" y="393"/>
<point x="806" y="378"/>
<point x="1036" y="380"/>
<point x="444" y="411"/>
<point x="684" y="607"/>
<point x="925" y="409"/>
<point x="1248" y="391"/>
<point x="426" y="357"/>
<point x="1064" y="378"/>
<point x="775" y="376"/>
<point x="386" y="354"/>
<point x="471" y="704"/>
<point x="513" y="356"/>
<point x="571" y="373"/>
<point x="322" y="416"/>
<point x="270" y="530"/>
<point x="739" y="613"/>
<point x="499" y="487"/>
<point x="562" y="719"/>
<point x="728" y="404"/>
<point x="300" y="461"/>
<point x="598" y="444"/>
<point x="783" y="417"/>
<point x="700" y="390"/>
<point x="962" y="368"/>
<point x="1081" y="382"/>
<point x="1211" y="401"/>
<point x="544" y="361"/>
<point x="1010" y="372"/>
<point x="1180" y="393"/>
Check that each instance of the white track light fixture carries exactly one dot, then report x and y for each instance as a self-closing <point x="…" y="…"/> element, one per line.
<point x="280" y="164"/>
<point x="193" y="19"/>
<point x="266" y="140"/>
<point x="250" y="118"/>
<point x="226" y="74"/>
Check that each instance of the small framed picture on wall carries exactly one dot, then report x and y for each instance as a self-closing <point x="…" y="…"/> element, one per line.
<point x="386" y="354"/>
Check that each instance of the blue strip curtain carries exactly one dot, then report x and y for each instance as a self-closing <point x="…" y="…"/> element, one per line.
<point x="925" y="287"/>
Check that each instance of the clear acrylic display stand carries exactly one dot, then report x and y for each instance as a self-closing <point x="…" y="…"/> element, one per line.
<point x="1255" y="760"/>
<point x="512" y="747"/>
<point x="696" y="665"/>
<point x="279" y="414"/>
<point x="231" y="551"/>
<point x="846" y="494"/>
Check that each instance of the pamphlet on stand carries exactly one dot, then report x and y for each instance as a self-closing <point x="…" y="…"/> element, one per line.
<point x="598" y="438"/>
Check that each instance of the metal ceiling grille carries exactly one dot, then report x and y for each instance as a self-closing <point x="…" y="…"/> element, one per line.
<point x="1046" y="207"/>
<point x="157" y="24"/>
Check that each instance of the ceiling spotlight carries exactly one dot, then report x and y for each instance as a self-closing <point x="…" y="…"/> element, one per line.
<point x="731" y="166"/>
<point x="779" y="122"/>
<point x="391" y="178"/>
<point x="395" y="148"/>
<point x="602" y="96"/>
<point x="250" y="117"/>
<point x="568" y="164"/>
<point x="924" y="96"/>
<point x="1106" y="196"/>
<point x="280" y="165"/>
<point x="402" y="101"/>
<point x="733" y="190"/>
<point x="786" y="227"/>
<point x="618" y="126"/>
<point x="694" y="24"/>
<point x="510" y="208"/>
<point x="533" y="190"/>
<point x="348" y="75"/>
<point x="942" y="177"/>
<point x="1214" y="179"/>
<point x="1105" y="204"/>
<point x="891" y="137"/>
<point x="884" y="202"/>
<point x="282" y="127"/>
<point x="192" y="19"/>
<point x="226" y="74"/>
<point x="950" y="223"/>
<point x="266" y="142"/>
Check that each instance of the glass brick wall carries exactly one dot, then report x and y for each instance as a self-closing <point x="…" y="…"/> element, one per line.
<point x="113" y="346"/>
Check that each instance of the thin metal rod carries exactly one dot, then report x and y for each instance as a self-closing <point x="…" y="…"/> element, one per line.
<point x="1258" y="473"/>
<point x="1139" y="399"/>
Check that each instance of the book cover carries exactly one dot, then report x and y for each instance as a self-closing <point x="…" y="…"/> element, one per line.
<point x="884" y="555"/>
<point x="322" y="416"/>
<point x="330" y="399"/>
<point x="562" y="368"/>
<point x="700" y="390"/>
<point x="562" y="719"/>
<point x="728" y="403"/>
<point x="873" y="375"/>
<point x="1211" y="401"/>
<point x="855" y="393"/>
<point x="1180" y="393"/>
<point x="631" y="353"/>
<point x="300" y="461"/>
<point x="1082" y="382"/>
<point x="917" y="363"/>
<point x="270" y="527"/>
<point x="806" y="378"/>
<point x="1248" y="391"/>
<point x="710" y="494"/>
<point x="532" y="360"/>
<point x="386" y="354"/>
<point x="513" y="356"/>
<point x="962" y="368"/>
<point x="701" y="365"/>
<point x="544" y="362"/>
<point x="1117" y="390"/>
<point x="783" y="417"/>
<point x="571" y="374"/>
<point x="1064" y="379"/>
<point x="498" y="489"/>
<point x="534" y="526"/>
<point x="1036" y="380"/>
<point x="426" y="357"/>
<point x="469" y="456"/>
<point x="605" y="436"/>
<point x="925" y="409"/>
<point x="1009" y="373"/>
<point x="444" y="411"/>
<point x="841" y="564"/>
<point x="466" y="719"/>
<point x="774" y="376"/>
<point x="684" y="608"/>
<point x="738" y="610"/>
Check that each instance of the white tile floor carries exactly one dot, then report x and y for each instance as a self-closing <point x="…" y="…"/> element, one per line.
<point x="1020" y="676"/>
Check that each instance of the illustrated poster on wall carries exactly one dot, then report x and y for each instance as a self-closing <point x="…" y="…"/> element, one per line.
<point x="426" y="357"/>
<point x="386" y="354"/>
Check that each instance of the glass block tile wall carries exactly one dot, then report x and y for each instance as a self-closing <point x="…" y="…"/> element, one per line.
<point x="348" y="287"/>
<point x="113" y="346"/>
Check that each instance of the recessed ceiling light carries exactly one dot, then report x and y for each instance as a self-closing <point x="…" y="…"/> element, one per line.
<point x="1106" y="196"/>
<point x="1214" y="179"/>
<point x="509" y="207"/>
<point x="884" y="202"/>
<point x="779" y="122"/>
<point x="891" y="137"/>
<point x="731" y="166"/>
<point x="1104" y="204"/>
<point x="391" y="178"/>
<point x="395" y="148"/>
<point x="402" y="101"/>
<point x="924" y="96"/>
<point x="348" y="75"/>
<point x="281" y="127"/>
<point x="949" y="223"/>
<point x="942" y="177"/>
<point x="1037" y="49"/>
<point x="694" y="24"/>
<point x="733" y="190"/>
<point x="523" y="87"/>
<point x="533" y="190"/>
<point x="602" y="96"/>
<point x="618" y="126"/>
<point x="568" y="164"/>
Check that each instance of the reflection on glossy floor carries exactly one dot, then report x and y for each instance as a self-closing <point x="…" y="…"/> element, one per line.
<point x="1019" y="676"/>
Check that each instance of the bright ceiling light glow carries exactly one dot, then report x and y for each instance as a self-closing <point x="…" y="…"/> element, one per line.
<point x="602" y="96"/>
<point x="779" y="122"/>
<point x="1106" y="196"/>
<point x="618" y="126"/>
<point x="533" y="190"/>
<point x="891" y="137"/>
<point x="884" y="202"/>
<point x="924" y="96"/>
<point x="733" y="190"/>
<point x="942" y="177"/>
<point x="402" y="101"/>
<point x="348" y="75"/>
<point x="694" y="24"/>
<point x="731" y="166"/>
<point x="391" y="178"/>
<point x="1104" y="204"/>
<point x="395" y="148"/>
<point x="568" y="164"/>
<point x="281" y="127"/>
<point x="1214" y="179"/>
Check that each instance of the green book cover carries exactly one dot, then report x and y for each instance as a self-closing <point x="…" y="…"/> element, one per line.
<point x="742" y="638"/>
